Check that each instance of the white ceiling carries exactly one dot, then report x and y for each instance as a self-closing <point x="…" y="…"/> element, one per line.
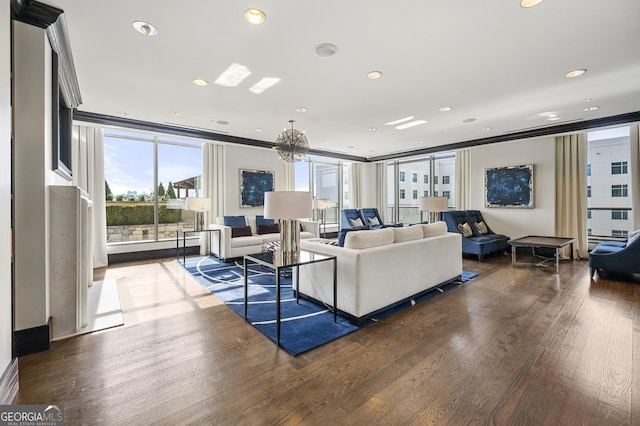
<point x="491" y="61"/>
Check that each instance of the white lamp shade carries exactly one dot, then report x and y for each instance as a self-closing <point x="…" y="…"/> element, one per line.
<point x="287" y="205"/>
<point x="198" y="204"/>
<point x="434" y="204"/>
<point x="321" y="203"/>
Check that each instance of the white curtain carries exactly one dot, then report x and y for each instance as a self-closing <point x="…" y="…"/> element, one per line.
<point x="571" y="191"/>
<point x="634" y="141"/>
<point x="88" y="174"/>
<point x="213" y="172"/>
<point x="463" y="179"/>
<point x="355" y="175"/>
<point x="289" y="173"/>
<point x="381" y="189"/>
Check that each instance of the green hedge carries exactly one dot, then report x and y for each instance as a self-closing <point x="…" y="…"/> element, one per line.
<point x="140" y="214"/>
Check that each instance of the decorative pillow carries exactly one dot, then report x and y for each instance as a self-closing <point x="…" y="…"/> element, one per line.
<point x="235" y="221"/>
<point x="264" y="228"/>
<point x="633" y="236"/>
<point x="368" y="239"/>
<point x="373" y="221"/>
<point x="240" y="231"/>
<point x="260" y="220"/>
<point x="433" y="229"/>
<point x="481" y="227"/>
<point x="408" y="233"/>
<point x="465" y="229"/>
<point x="356" y="223"/>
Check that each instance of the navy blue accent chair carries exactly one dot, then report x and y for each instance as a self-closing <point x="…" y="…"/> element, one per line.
<point x="346" y="214"/>
<point x="616" y="257"/>
<point x="478" y="244"/>
<point x="371" y="213"/>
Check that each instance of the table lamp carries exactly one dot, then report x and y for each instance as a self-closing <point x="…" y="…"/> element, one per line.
<point x="434" y="205"/>
<point x="199" y="205"/>
<point x="288" y="207"/>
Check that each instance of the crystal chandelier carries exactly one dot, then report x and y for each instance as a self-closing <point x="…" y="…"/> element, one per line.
<point x="291" y="144"/>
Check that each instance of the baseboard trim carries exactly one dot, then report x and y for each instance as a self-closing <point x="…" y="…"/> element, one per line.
<point x="9" y="383"/>
<point x="32" y="340"/>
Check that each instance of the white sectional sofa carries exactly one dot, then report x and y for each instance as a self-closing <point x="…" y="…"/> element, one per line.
<point x="239" y="246"/>
<point x="378" y="269"/>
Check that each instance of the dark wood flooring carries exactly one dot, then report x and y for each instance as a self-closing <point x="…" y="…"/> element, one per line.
<point x="515" y="346"/>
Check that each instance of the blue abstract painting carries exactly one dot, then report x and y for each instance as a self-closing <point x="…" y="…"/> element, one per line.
<point x="509" y="186"/>
<point x="253" y="185"/>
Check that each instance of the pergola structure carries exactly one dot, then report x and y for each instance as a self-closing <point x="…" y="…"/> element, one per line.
<point x="187" y="184"/>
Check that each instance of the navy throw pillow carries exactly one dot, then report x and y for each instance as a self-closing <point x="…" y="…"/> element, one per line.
<point x="260" y="220"/>
<point x="234" y="221"/>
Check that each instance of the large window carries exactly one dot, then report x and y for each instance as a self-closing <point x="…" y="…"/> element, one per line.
<point x="608" y="183"/>
<point x="407" y="209"/>
<point x="325" y="178"/>
<point x="147" y="178"/>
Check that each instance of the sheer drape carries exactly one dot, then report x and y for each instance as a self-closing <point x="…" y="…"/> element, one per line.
<point x="213" y="186"/>
<point x="355" y="174"/>
<point x="381" y="190"/>
<point x="634" y="165"/>
<point x="289" y="173"/>
<point x="463" y="179"/>
<point x="88" y="174"/>
<point x="571" y="191"/>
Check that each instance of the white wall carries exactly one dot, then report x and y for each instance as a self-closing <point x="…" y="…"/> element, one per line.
<point x="244" y="157"/>
<point x="518" y="222"/>
<point x="5" y="187"/>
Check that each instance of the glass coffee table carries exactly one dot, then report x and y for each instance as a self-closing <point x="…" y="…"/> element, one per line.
<point x="535" y="242"/>
<point x="278" y="263"/>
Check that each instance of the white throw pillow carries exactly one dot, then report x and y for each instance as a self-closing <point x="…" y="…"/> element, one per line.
<point x="356" y="223"/>
<point x="481" y="227"/>
<point x="408" y="233"/>
<point x="465" y="229"/>
<point x="373" y="221"/>
<point x="433" y="229"/>
<point x="366" y="239"/>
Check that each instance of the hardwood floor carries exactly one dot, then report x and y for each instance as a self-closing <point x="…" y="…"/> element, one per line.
<point x="513" y="346"/>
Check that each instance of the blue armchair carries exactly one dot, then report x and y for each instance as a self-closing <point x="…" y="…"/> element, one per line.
<point x="480" y="242"/>
<point x="616" y="257"/>
<point x="367" y="214"/>
<point x="350" y="214"/>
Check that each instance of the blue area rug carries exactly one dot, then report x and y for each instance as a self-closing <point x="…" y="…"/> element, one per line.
<point x="304" y="325"/>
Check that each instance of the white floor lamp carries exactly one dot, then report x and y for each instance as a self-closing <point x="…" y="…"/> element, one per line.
<point x="198" y="205"/>
<point x="322" y="204"/>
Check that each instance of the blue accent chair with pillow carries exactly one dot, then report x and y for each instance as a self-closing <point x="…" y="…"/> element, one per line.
<point x="476" y="238"/>
<point x="348" y="215"/>
<point x="371" y="214"/>
<point x="617" y="256"/>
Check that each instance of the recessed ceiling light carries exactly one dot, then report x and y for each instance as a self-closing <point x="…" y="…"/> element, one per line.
<point x="254" y="16"/>
<point x="145" y="28"/>
<point x="301" y="109"/>
<point x="264" y="84"/>
<point x="222" y="122"/>
<point x="124" y="114"/>
<point x="486" y="129"/>
<point x="233" y="75"/>
<point x="410" y="124"/>
<point x="588" y="100"/>
<point x="200" y="82"/>
<point x="402" y="120"/>
<point x="324" y="50"/>
<point x="591" y="108"/>
<point x="468" y="120"/>
<point x="373" y="129"/>
<point x="419" y="142"/>
<point x="175" y="113"/>
<point x="529" y="3"/>
<point x="374" y="75"/>
<point x="445" y="109"/>
<point x="575" y="73"/>
<point x="259" y="129"/>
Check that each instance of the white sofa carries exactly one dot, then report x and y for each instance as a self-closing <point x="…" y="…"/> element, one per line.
<point x="378" y="269"/>
<point x="239" y="246"/>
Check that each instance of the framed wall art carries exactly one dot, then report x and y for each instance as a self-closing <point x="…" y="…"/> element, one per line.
<point x="253" y="185"/>
<point x="509" y="186"/>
